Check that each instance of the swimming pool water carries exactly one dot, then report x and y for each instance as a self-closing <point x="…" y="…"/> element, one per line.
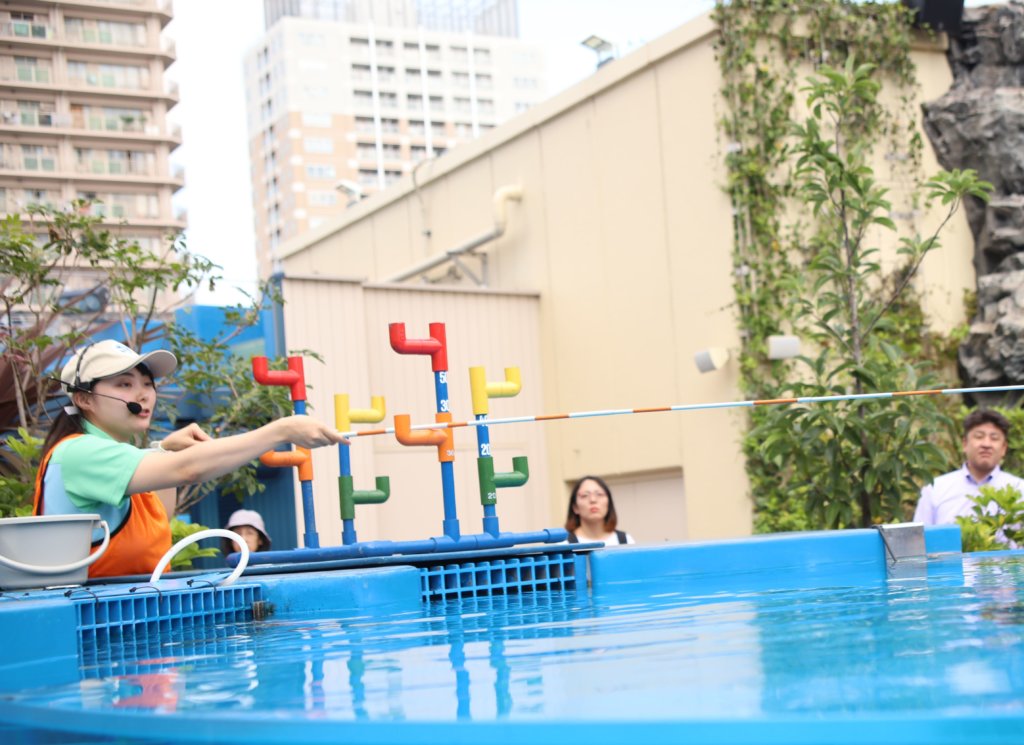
<point x="923" y="658"/>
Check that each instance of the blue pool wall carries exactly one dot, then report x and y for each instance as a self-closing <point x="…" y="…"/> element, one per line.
<point x="812" y="559"/>
<point x="42" y="634"/>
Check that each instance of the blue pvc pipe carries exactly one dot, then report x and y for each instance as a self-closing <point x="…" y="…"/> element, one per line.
<point x="450" y="526"/>
<point x="348" y="526"/>
<point x="483" y="450"/>
<point x="439" y="544"/>
<point x="311" y="539"/>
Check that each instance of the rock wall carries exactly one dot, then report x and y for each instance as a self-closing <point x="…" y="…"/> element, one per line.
<point x="979" y="124"/>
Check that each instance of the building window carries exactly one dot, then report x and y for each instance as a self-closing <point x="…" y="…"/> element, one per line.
<point x="323" y="198"/>
<point x="320" y="171"/>
<point x="38" y="158"/>
<point x="318" y="145"/>
<point x="315" y="119"/>
<point x="90" y="31"/>
<point x="31" y="70"/>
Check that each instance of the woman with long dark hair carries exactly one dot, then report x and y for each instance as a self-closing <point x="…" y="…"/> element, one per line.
<point x="591" y="516"/>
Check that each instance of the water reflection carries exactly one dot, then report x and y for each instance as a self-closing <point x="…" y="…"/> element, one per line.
<point x="945" y="645"/>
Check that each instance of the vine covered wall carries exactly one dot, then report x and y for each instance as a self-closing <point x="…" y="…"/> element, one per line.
<point x="804" y="123"/>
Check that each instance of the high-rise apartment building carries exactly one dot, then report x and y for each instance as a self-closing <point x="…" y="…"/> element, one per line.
<point x="342" y="108"/>
<point x="83" y="111"/>
<point x="488" y="17"/>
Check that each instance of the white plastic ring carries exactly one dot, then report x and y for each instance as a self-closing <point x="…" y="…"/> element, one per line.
<point x="243" y="549"/>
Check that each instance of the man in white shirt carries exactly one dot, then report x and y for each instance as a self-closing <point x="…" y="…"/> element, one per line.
<point x="986" y="434"/>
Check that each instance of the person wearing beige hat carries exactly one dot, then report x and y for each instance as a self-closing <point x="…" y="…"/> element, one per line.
<point x="249" y="525"/>
<point x="93" y="462"/>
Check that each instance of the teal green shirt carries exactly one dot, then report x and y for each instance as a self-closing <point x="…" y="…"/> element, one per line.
<point x="90" y="474"/>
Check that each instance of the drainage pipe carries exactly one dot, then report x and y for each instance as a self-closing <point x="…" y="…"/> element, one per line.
<point x="500" y="202"/>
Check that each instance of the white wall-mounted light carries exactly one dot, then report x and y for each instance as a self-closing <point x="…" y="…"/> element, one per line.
<point x="603" y="48"/>
<point x="710" y="359"/>
<point x="783" y="347"/>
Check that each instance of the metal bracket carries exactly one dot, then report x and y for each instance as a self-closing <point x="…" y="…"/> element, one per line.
<point x="904" y="550"/>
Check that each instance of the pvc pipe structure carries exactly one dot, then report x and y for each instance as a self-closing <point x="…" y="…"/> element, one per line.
<point x="295" y="378"/>
<point x="693" y="407"/>
<point x="490" y="482"/>
<point x="347" y="494"/>
<point x="437" y="347"/>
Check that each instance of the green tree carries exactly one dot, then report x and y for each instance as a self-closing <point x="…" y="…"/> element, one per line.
<point x="121" y="286"/>
<point x="998" y="518"/>
<point x="858" y="463"/>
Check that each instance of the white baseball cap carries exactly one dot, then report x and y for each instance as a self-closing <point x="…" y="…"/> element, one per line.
<point x="105" y="358"/>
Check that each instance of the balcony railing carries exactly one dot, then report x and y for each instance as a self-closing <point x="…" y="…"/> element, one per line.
<point x="30" y="163"/>
<point x="26" y="73"/>
<point x="104" y="38"/>
<point x="25" y="30"/>
<point x="103" y="167"/>
<point x="29" y="118"/>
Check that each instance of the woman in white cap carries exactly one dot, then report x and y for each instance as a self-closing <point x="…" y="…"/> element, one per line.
<point x="92" y="461"/>
<point x="249" y="525"/>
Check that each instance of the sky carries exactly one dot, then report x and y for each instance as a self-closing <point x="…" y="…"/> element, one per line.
<point x="211" y="39"/>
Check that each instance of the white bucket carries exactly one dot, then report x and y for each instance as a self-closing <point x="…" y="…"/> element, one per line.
<point x="48" y="550"/>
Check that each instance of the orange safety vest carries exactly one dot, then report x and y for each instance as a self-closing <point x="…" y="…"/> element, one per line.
<point x="137" y="544"/>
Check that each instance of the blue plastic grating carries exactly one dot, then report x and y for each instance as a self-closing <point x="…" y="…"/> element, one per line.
<point x="474" y="579"/>
<point x="147" y="613"/>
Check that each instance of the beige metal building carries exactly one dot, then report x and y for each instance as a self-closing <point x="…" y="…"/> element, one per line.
<point x="588" y="241"/>
<point x="84" y="105"/>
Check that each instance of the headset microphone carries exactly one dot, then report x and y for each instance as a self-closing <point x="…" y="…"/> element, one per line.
<point x="133" y="407"/>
